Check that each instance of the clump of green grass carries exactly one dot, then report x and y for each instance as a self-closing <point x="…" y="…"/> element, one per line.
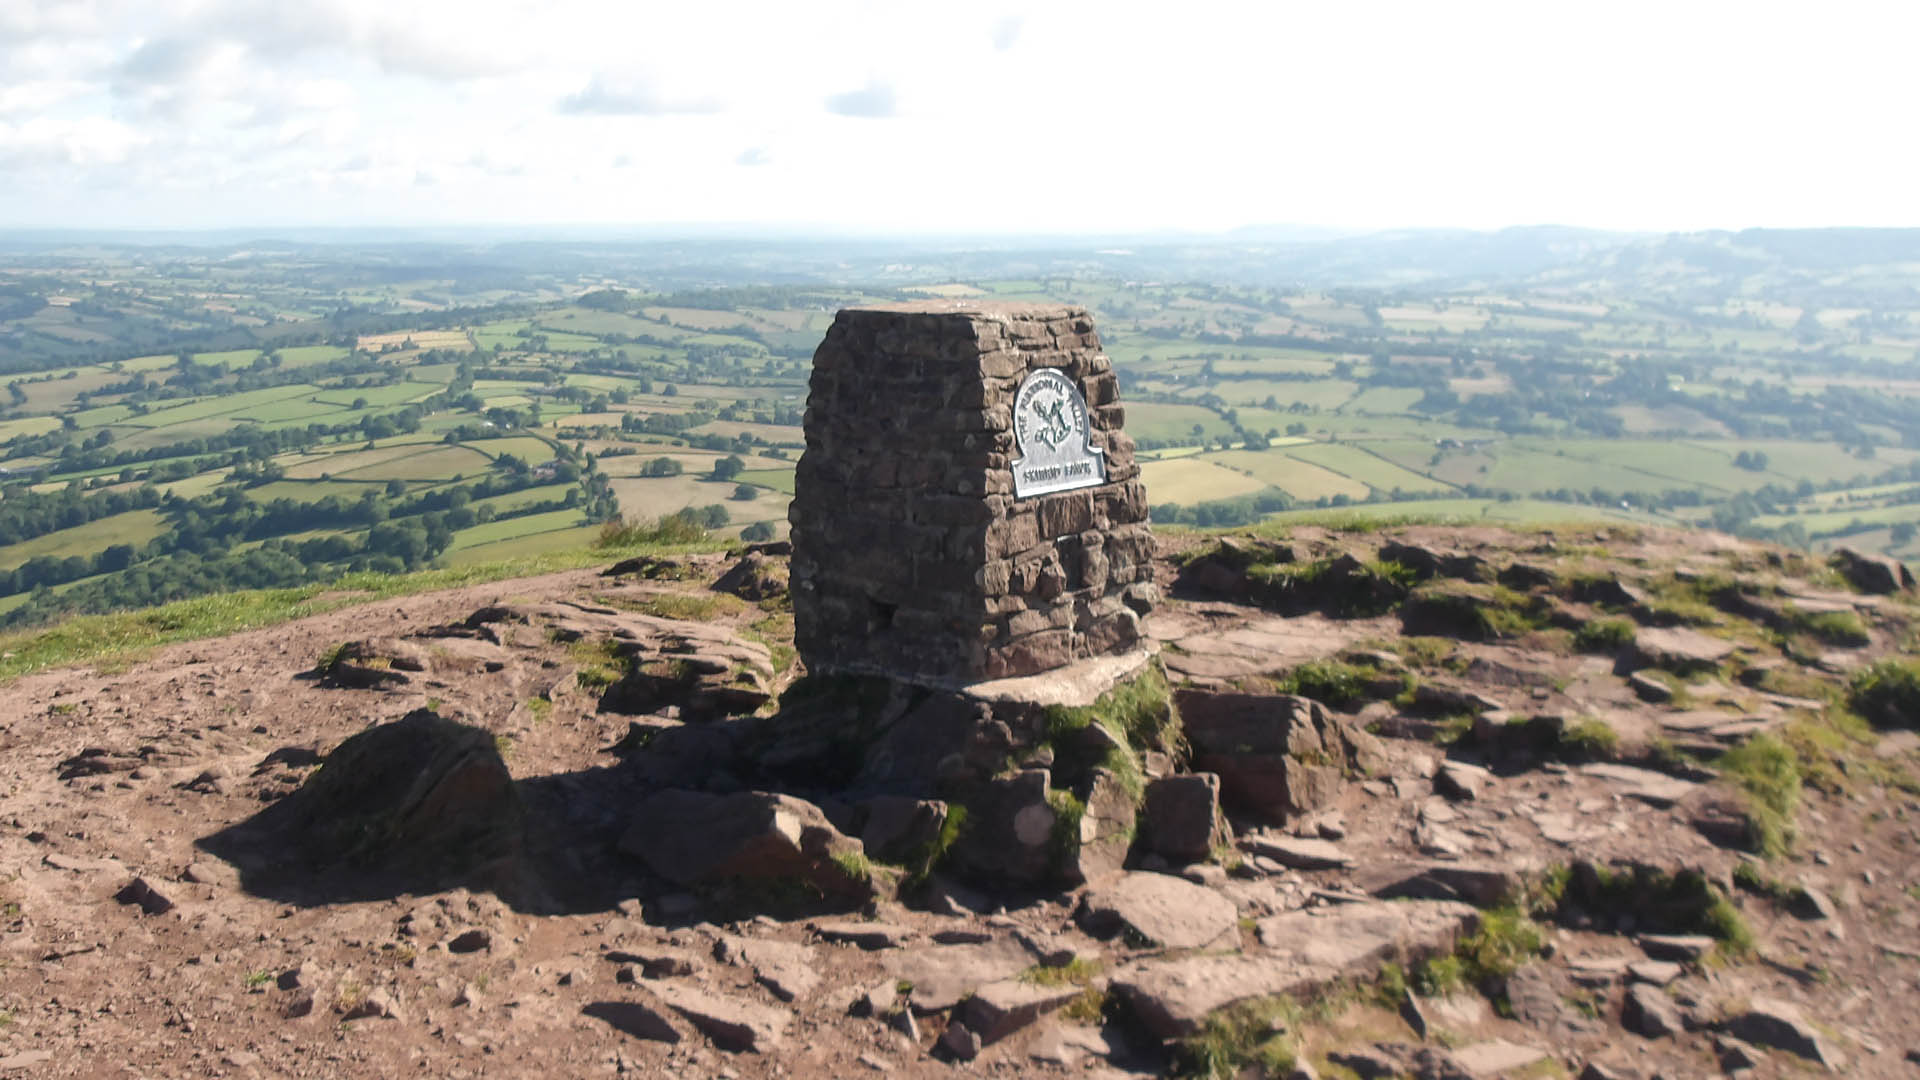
<point x="600" y="664"/>
<point x="1477" y="612"/>
<point x="1427" y="652"/>
<point x="1604" y="636"/>
<point x="330" y="658"/>
<point x="1340" y="586"/>
<point x="1767" y="772"/>
<point x="1078" y="971"/>
<point x="1888" y="693"/>
<point x="1261" y="1033"/>
<point x="934" y="852"/>
<point x="1439" y="975"/>
<point x="1683" y="903"/>
<point x="1590" y="738"/>
<point x="1842" y="628"/>
<point x="1750" y="877"/>
<point x="1330" y="682"/>
<point x="1139" y="714"/>
<point x="1506" y="939"/>
<point x="541" y="708"/>
<point x="853" y="866"/>
<point x="1064" y="841"/>
<point x="1390" y="986"/>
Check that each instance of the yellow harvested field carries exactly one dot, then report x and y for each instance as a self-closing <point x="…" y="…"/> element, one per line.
<point x="649" y="497"/>
<point x="588" y="419"/>
<point x="419" y="339"/>
<point x="1300" y="479"/>
<point x="1194" y="480"/>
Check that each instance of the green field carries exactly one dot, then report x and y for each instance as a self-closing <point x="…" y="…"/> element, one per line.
<point x="308" y="355"/>
<point x="438" y="463"/>
<point x="223" y="405"/>
<point x="527" y="546"/>
<point x="27" y="425"/>
<point x="101" y="417"/>
<point x="1269" y="468"/>
<point x="1174" y="423"/>
<point x="511" y="501"/>
<point x="305" y="491"/>
<point x="1370" y="469"/>
<point x="397" y="394"/>
<point x="514" y="528"/>
<point x="339" y="464"/>
<point x="525" y="447"/>
<point x="1317" y="394"/>
<point x="1384" y="399"/>
<point x="776" y="479"/>
<point x="135" y="527"/>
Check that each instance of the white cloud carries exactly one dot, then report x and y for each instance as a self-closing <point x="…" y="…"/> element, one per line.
<point x="632" y="96"/>
<point x="1062" y="114"/>
<point x="872" y="101"/>
<point x="1007" y="31"/>
<point x="89" y="141"/>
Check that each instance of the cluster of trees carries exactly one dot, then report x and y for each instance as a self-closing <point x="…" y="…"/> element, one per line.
<point x="1244" y="510"/>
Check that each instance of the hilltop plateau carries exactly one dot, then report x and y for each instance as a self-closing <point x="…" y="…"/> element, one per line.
<point x="1389" y="799"/>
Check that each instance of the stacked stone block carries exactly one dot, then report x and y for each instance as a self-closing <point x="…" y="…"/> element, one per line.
<point x="912" y="558"/>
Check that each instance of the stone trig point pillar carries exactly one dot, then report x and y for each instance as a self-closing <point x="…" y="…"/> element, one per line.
<point x="967" y="508"/>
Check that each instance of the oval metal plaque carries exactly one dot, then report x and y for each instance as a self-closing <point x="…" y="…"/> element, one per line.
<point x="1056" y="442"/>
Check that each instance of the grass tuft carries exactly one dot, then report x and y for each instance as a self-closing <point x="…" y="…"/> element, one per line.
<point x="1767" y="772"/>
<point x="1888" y="693"/>
<point x="1261" y="1034"/>
<point x="1604" y="636"/>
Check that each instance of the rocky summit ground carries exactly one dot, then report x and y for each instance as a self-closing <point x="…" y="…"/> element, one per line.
<point x="1441" y="802"/>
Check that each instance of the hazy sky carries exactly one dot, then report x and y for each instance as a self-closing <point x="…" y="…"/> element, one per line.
<point x="982" y="116"/>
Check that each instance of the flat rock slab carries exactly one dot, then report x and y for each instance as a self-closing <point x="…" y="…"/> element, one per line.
<point x="867" y="935"/>
<point x="1075" y="686"/>
<point x="942" y="975"/>
<point x="786" y="969"/>
<point x="1769" y="1022"/>
<point x="999" y="1009"/>
<point x="1300" y="853"/>
<point x="1158" y="909"/>
<point x="1697" y="720"/>
<point x="1648" y="786"/>
<point x="730" y="1023"/>
<point x="1351" y="936"/>
<point x="1172" y="998"/>
<point x="1657" y="972"/>
<point x="640" y="1019"/>
<point x="1068" y="1045"/>
<point x="1650" y="1012"/>
<point x="1685" y="948"/>
<point x="1484" y="884"/>
<point x="1679" y="647"/>
<point x="1262" y="646"/>
<point x="1496" y="1056"/>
